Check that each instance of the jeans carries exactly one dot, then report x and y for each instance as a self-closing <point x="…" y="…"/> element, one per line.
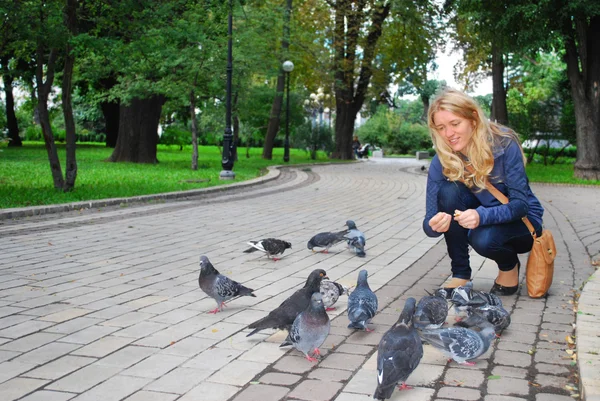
<point x="501" y="242"/>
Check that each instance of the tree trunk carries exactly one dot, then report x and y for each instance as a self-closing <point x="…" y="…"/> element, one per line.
<point x="194" y="119"/>
<point x="275" y="116"/>
<point x="425" y="100"/>
<point x="236" y="127"/>
<point x="43" y="89"/>
<point x="351" y="83"/>
<point x="67" y="90"/>
<point x="584" y="89"/>
<point x="138" y="131"/>
<point x="11" y="119"/>
<point x="499" y="111"/>
<point x="111" y="111"/>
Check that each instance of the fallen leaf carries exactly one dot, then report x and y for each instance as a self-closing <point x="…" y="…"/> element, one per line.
<point x="535" y="384"/>
<point x="569" y="340"/>
<point x="172" y="342"/>
<point x="570" y="388"/>
<point x="215" y="330"/>
<point x="493" y="377"/>
<point x="576" y="395"/>
<point x="254" y="382"/>
<point x="569" y="351"/>
<point x="50" y="243"/>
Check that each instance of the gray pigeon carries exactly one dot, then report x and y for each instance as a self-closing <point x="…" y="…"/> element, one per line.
<point x="431" y="312"/>
<point x="270" y="246"/>
<point x="326" y="240"/>
<point x="310" y="328"/>
<point x="496" y="315"/>
<point x="284" y="315"/>
<point x="219" y="287"/>
<point x="459" y="343"/>
<point x="398" y="354"/>
<point x="467" y="296"/>
<point x="331" y="292"/>
<point x="362" y="304"/>
<point x="356" y="239"/>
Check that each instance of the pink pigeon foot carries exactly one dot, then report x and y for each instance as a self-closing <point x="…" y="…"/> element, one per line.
<point x="468" y="363"/>
<point x="330" y="308"/>
<point x="368" y="330"/>
<point x="317" y="352"/>
<point x="458" y="319"/>
<point x="214" y="311"/>
<point x="276" y="259"/>
<point x="404" y="387"/>
<point x="310" y="359"/>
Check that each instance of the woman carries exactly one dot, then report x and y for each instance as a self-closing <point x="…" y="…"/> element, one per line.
<point x="356" y="146"/>
<point x="459" y="206"/>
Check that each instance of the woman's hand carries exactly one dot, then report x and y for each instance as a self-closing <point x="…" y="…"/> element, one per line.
<point x="440" y="223"/>
<point x="468" y="219"/>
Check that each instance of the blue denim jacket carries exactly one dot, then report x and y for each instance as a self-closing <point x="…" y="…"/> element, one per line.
<point x="508" y="175"/>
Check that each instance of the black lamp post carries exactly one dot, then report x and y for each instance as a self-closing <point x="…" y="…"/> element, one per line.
<point x="227" y="160"/>
<point x="288" y="67"/>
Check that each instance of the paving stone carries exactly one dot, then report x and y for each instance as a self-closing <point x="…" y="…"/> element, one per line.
<point x="502" y="398"/>
<point x="43" y="395"/>
<point x="363" y="382"/>
<point x="114" y="389"/>
<point x="508" y="386"/>
<point x="551" y="380"/>
<point x="178" y="380"/>
<point x="238" y="372"/>
<point x="151" y="396"/>
<point x="315" y="390"/>
<point x="513" y="346"/>
<point x="459" y="393"/>
<point x="210" y="392"/>
<point x="552" y="397"/>
<point x="10" y="369"/>
<point x="509" y="371"/>
<point x="552" y="369"/>
<point x="353" y="397"/>
<point x="511" y="358"/>
<point x="293" y="364"/>
<point x="155" y="366"/>
<point x="18" y="387"/>
<point x="355" y="349"/>
<point x="46" y="353"/>
<point x="513" y="335"/>
<point x="551" y="356"/>
<point x="364" y="338"/>
<point x="84" y="379"/>
<point x="425" y="375"/>
<point x="212" y="359"/>
<point x="89" y="334"/>
<point x="286" y="379"/>
<point x="189" y="347"/>
<point x="330" y="374"/>
<point x="65" y="315"/>
<point x="342" y="361"/>
<point x="261" y="392"/>
<point x="30" y="342"/>
<point x="263" y="352"/>
<point x="463" y="378"/>
<point x="103" y="346"/>
<point x="60" y="367"/>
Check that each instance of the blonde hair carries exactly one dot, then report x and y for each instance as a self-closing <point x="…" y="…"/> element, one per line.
<point x="478" y="150"/>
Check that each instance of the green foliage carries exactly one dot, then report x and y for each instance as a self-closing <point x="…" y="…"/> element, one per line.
<point x="314" y="138"/>
<point x="34" y="133"/>
<point x="409" y="139"/>
<point x="174" y="135"/>
<point x="26" y="182"/>
<point x="410" y="111"/>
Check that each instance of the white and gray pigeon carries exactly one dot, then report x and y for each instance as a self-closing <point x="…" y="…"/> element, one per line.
<point x="326" y="240"/>
<point x="310" y="329"/>
<point x="465" y="296"/>
<point x="356" y="239"/>
<point x="398" y="354"/>
<point x="431" y="312"/>
<point x="460" y="343"/>
<point x="496" y="315"/>
<point x="270" y="246"/>
<point x="220" y="288"/>
<point x="362" y="304"/>
<point x="331" y="292"/>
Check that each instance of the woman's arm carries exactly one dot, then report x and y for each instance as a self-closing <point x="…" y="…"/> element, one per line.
<point x="434" y="180"/>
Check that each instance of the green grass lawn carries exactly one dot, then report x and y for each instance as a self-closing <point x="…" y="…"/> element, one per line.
<point x="26" y="180"/>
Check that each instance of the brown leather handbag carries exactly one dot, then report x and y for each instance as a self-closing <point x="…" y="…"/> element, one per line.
<point x="540" y="265"/>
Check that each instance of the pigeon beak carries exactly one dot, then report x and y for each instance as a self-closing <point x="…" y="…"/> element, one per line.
<point x="325" y="278"/>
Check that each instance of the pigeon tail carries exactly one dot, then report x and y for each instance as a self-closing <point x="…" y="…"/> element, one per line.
<point x="250" y="250"/>
<point x="245" y="291"/>
<point x="357" y="325"/>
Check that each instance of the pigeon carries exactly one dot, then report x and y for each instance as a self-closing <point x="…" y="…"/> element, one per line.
<point x="270" y="246"/>
<point x="467" y="296"/>
<point x="496" y="315"/>
<point x="310" y="328"/>
<point x="362" y="304"/>
<point x="431" y="312"/>
<point x="398" y="354"/>
<point x="220" y="288"/>
<point x="331" y="291"/>
<point x="326" y="240"/>
<point x="459" y="343"/>
<point x="356" y="239"/>
<point x="283" y="316"/>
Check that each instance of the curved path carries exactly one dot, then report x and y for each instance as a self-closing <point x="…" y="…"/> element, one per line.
<point x="104" y="305"/>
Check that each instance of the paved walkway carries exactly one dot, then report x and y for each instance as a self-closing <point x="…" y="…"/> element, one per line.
<point x="104" y="304"/>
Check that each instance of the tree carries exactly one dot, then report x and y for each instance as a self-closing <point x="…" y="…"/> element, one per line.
<point x="358" y="53"/>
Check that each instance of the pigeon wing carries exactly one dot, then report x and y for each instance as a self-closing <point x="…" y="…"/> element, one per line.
<point x="226" y="288"/>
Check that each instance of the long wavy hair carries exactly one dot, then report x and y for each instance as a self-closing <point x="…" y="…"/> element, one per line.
<point x="478" y="152"/>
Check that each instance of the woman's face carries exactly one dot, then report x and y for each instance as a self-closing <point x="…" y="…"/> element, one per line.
<point x="456" y="131"/>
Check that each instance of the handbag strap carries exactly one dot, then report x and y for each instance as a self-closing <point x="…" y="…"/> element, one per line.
<point x="503" y="199"/>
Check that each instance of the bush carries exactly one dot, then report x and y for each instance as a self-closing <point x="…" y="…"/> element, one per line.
<point x="409" y="138"/>
<point x="313" y="138"/>
<point x="175" y="136"/>
<point x="34" y="133"/>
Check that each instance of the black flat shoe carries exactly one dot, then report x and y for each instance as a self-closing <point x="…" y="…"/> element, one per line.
<point x="498" y="289"/>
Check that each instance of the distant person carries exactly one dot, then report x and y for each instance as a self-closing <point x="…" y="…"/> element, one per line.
<point x="467" y="213"/>
<point x="356" y="146"/>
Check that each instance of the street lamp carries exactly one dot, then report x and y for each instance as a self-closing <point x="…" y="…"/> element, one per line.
<point x="288" y="67"/>
<point x="227" y="157"/>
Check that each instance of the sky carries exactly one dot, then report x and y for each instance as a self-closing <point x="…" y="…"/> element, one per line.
<point x="446" y="62"/>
